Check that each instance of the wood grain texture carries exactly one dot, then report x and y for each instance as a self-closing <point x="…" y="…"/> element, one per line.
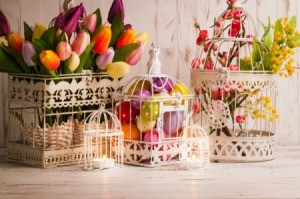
<point x="276" y="179"/>
<point x="170" y="23"/>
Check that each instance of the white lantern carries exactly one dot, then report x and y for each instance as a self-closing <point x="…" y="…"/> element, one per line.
<point x="103" y="141"/>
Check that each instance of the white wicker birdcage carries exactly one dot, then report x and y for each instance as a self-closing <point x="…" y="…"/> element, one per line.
<point x="153" y="109"/>
<point x="103" y="141"/>
<point x="237" y="90"/>
<point x="194" y="149"/>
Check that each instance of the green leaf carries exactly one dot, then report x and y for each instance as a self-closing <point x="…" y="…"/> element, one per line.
<point x="268" y="40"/>
<point x="88" y="63"/>
<point x="278" y="27"/>
<point x="83" y="57"/>
<point x="8" y="64"/>
<point x="18" y="58"/>
<point x="295" y="39"/>
<point x="293" y="21"/>
<point x="99" y="18"/>
<point x="266" y="28"/>
<point x="97" y="29"/>
<point x="66" y="69"/>
<point x="39" y="44"/>
<point x="124" y="51"/>
<point x="27" y="32"/>
<point x="245" y="65"/>
<point x="267" y="61"/>
<point x="49" y="37"/>
<point x="256" y="50"/>
<point x="117" y="28"/>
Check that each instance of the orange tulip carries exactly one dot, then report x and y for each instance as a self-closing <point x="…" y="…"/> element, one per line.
<point x="50" y="60"/>
<point x="15" y="41"/>
<point x="126" y="38"/>
<point x="102" y="40"/>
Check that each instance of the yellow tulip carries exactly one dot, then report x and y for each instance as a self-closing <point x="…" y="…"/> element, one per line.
<point x="143" y="37"/>
<point x="118" y="69"/>
<point x="3" y="41"/>
<point x="38" y="31"/>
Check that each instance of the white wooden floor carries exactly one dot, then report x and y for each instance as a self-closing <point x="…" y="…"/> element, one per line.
<point x="279" y="178"/>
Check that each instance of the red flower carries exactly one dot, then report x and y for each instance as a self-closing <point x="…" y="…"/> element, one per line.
<point x="203" y="35"/>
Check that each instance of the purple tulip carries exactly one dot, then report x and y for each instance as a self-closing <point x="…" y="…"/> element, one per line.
<point x="69" y="21"/>
<point x="106" y="58"/>
<point x="28" y="51"/>
<point x="4" y="25"/>
<point x="116" y="7"/>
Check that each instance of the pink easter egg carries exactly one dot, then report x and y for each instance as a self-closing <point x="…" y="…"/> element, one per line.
<point x="142" y="95"/>
<point x="126" y="113"/>
<point x="172" y="122"/>
<point x="151" y="136"/>
<point x="162" y="84"/>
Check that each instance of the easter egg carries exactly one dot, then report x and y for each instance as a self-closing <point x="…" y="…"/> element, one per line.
<point x="125" y="112"/>
<point x="151" y="136"/>
<point x="180" y="88"/>
<point x="144" y="125"/>
<point x="139" y="85"/>
<point x="162" y="84"/>
<point x="118" y="69"/>
<point x="172" y="122"/>
<point x="150" y="110"/>
<point x="142" y="95"/>
<point x="131" y="132"/>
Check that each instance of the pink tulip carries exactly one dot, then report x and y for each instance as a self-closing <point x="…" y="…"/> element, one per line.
<point x="248" y="36"/>
<point x="216" y="94"/>
<point x="135" y="56"/>
<point x="90" y="22"/>
<point x="28" y="51"/>
<point x="106" y="58"/>
<point x="81" y="41"/>
<point x="63" y="50"/>
<point x="203" y="35"/>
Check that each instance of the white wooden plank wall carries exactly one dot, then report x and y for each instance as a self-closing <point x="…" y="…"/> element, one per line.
<point x="170" y="23"/>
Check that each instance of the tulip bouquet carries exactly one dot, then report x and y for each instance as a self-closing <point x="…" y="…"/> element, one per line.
<point x="73" y="42"/>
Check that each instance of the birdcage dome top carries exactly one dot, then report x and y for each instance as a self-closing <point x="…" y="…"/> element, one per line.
<point x="102" y="122"/>
<point x="155" y="85"/>
<point x="234" y="23"/>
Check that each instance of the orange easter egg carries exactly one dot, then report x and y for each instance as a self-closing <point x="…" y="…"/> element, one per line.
<point x="131" y="132"/>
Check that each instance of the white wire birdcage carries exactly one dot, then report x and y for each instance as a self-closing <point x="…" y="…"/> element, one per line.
<point x="194" y="149"/>
<point x="237" y="89"/>
<point x="153" y="109"/>
<point x="103" y="141"/>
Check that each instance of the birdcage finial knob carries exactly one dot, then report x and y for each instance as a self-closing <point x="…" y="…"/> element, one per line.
<point x="154" y="64"/>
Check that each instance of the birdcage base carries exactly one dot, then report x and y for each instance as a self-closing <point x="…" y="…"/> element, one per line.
<point x="37" y="157"/>
<point x="151" y="154"/>
<point x="258" y="146"/>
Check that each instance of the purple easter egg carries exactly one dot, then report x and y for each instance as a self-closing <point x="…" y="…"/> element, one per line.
<point x="172" y="122"/>
<point x="141" y="96"/>
<point x="162" y="84"/>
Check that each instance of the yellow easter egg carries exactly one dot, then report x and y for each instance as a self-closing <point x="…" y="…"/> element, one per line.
<point x="180" y="88"/>
<point x="139" y="85"/>
<point x="144" y="125"/>
<point x="118" y="69"/>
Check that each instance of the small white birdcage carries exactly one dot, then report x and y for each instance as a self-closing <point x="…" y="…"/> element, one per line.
<point x="194" y="149"/>
<point x="237" y="89"/>
<point x="153" y="109"/>
<point x="103" y="141"/>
